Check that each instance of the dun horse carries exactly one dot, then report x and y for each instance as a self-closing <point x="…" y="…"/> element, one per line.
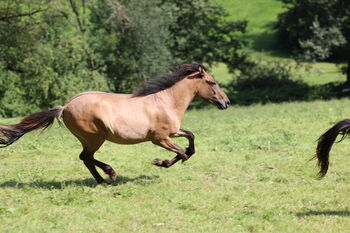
<point x="152" y="114"/>
<point x="326" y="141"/>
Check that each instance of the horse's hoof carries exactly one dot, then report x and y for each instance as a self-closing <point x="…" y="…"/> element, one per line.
<point x="160" y="163"/>
<point x="112" y="175"/>
<point x="157" y="162"/>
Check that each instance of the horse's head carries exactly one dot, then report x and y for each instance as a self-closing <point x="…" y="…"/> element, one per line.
<point x="209" y="89"/>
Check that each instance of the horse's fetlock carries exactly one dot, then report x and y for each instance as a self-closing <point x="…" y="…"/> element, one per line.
<point x="184" y="157"/>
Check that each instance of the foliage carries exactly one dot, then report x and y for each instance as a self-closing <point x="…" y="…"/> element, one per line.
<point x="52" y="50"/>
<point x="202" y="33"/>
<point x="322" y="43"/>
<point x="262" y="82"/>
<point x="305" y="19"/>
<point x="131" y="39"/>
<point x="42" y="55"/>
<point x="279" y="81"/>
<point x="151" y="35"/>
<point x="317" y="30"/>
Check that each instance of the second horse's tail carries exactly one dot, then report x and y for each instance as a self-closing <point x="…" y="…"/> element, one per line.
<point x="326" y="141"/>
<point x="40" y="120"/>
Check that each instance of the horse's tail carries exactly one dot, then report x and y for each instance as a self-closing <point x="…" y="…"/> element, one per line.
<point x="40" y="120"/>
<point x="326" y="141"/>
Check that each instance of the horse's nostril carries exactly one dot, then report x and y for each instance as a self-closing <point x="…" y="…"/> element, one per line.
<point x="228" y="102"/>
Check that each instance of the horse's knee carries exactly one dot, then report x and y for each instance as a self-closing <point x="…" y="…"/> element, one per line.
<point x="190" y="136"/>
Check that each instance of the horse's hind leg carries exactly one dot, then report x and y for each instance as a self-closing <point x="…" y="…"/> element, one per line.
<point x="88" y="158"/>
<point x="90" y="163"/>
<point x="87" y="155"/>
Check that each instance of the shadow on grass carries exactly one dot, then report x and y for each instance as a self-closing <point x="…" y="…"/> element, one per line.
<point x="281" y="91"/>
<point x="89" y="182"/>
<point x="286" y="91"/>
<point x="343" y="213"/>
<point x="267" y="41"/>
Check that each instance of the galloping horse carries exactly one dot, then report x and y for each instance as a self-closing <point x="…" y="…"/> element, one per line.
<point x="152" y="114"/>
<point x="326" y="141"/>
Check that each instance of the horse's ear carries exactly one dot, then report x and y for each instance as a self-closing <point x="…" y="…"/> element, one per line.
<point x="198" y="74"/>
<point x="201" y="70"/>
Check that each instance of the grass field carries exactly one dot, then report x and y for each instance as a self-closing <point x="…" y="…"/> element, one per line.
<point x="251" y="171"/>
<point x="262" y="17"/>
<point x="250" y="174"/>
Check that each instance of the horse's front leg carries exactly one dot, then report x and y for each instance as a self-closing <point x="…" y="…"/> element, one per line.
<point x="190" y="150"/>
<point x="170" y="145"/>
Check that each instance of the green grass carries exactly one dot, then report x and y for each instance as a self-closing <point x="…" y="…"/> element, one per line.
<point x="227" y="186"/>
<point x="261" y="16"/>
<point x="312" y="74"/>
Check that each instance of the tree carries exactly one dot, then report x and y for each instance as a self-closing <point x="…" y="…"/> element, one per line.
<point x="317" y="29"/>
<point x="202" y="33"/>
<point x="51" y="50"/>
<point x="140" y="38"/>
<point x="43" y="59"/>
<point x="131" y="39"/>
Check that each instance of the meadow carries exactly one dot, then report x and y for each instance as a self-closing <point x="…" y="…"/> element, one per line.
<point x="251" y="171"/>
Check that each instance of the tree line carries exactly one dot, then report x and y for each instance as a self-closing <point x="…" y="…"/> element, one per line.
<point x="317" y="30"/>
<point x="50" y="50"/>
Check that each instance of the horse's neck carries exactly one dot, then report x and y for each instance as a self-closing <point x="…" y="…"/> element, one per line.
<point x="180" y="96"/>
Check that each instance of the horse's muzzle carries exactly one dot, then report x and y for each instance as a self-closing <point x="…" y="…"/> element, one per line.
<point x="222" y="104"/>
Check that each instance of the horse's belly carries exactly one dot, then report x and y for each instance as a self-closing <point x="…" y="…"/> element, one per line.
<point x="120" y="140"/>
<point x="129" y="133"/>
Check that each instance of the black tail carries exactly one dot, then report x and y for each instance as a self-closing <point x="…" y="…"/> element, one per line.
<point x="40" y="120"/>
<point x="326" y="141"/>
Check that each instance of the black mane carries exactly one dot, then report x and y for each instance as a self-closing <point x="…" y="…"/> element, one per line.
<point x="159" y="83"/>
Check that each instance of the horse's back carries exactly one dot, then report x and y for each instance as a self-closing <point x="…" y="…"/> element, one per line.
<point x="85" y="112"/>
